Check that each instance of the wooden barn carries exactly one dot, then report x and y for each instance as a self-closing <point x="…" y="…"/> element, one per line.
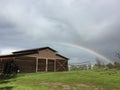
<point x="43" y="59"/>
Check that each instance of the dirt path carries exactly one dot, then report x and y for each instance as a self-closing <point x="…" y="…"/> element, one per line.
<point x="54" y="86"/>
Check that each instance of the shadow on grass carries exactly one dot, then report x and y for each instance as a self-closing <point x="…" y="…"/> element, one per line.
<point x="2" y="77"/>
<point x="6" y="79"/>
<point x="6" y="88"/>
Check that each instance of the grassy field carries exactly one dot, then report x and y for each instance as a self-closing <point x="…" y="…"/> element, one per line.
<point x="73" y="80"/>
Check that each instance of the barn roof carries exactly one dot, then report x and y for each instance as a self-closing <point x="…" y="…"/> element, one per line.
<point x="62" y="56"/>
<point x="7" y="56"/>
<point x="30" y="51"/>
<point x="33" y="50"/>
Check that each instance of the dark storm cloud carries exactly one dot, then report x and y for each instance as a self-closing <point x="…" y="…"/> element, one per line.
<point x="4" y="24"/>
<point x="91" y="23"/>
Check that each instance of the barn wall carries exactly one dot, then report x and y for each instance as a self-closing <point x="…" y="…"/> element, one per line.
<point x="52" y="65"/>
<point x="47" y="53"/>
<point x="1" y="66"/>
<point x="26" y="64"/>
<point x="32" y="55"/>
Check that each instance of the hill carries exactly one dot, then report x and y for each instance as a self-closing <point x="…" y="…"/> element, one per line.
<point x="73" y="80"/>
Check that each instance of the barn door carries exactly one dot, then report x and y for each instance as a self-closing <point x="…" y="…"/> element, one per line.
<point x="50" y="65"/>
<point x="41" y="65"/>
<point x="61" y="65"/>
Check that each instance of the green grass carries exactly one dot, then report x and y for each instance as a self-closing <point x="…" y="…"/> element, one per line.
<point x="74" y="80"/>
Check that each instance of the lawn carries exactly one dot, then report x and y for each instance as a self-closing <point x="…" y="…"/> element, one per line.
<point x="73" y="80"/>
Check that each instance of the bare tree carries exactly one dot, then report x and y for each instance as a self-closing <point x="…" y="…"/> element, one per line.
<point x="118" y="55"/>
<point x="98" y="62"/>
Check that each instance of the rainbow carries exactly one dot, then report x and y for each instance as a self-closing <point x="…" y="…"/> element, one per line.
<point x="82" y="48"/>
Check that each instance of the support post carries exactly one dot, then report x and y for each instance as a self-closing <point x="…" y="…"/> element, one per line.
<point x="36" y="64"/>
<point x="55" y="65"/>
<point x="46" y="65"/>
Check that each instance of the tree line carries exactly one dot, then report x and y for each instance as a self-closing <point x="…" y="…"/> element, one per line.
<point x="114" y="65"/>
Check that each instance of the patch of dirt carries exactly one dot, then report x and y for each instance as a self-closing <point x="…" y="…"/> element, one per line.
<point x="83" y="85"/>
<point x="66" y="87"/>
<point x="54" y="86"/>
<point x="74" y="88"/>
<point x="87" y="87"/>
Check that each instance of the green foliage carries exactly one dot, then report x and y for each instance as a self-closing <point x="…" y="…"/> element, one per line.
<point x="116" y="65"/>
<point x="99" y="79"/>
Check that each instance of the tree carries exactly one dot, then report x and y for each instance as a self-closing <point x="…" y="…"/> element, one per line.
<point x="10" y="68"/>
<point x="98" y="63"/>
<point x="117" y="65"/>
<point x="110" y="65"/>
<point x="118" y="55"/>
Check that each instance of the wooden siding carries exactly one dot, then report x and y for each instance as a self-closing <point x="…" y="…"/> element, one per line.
<point x="26" y="64"/>
<point x="51" y="66"/>
<point x="61" y="65"/>
<point x="32" y="55"/>
<point x="48" y="54"/>
<point x="41" y="65"/>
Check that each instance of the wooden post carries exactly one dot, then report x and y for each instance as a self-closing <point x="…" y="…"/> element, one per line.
<point x="36" y="64"/>
<point x="55" y="65"/>
<point x="46" y="65"/>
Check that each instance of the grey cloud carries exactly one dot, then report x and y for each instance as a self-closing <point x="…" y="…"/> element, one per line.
<point x="94" y="24"/>
<point x="81" y="20"/>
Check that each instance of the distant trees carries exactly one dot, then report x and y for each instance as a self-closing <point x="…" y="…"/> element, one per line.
<point x="115" y="65"/>
<point x="99" y="64"/>
<point x="118" y="55"/>
<point x="77" y="67"/>
<point x="110" y="65"/>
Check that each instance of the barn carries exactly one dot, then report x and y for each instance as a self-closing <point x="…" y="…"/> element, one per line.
<point x="43" y="59"/>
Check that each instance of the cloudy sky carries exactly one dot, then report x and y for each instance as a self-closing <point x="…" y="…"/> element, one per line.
<point x="93" y="24"/>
